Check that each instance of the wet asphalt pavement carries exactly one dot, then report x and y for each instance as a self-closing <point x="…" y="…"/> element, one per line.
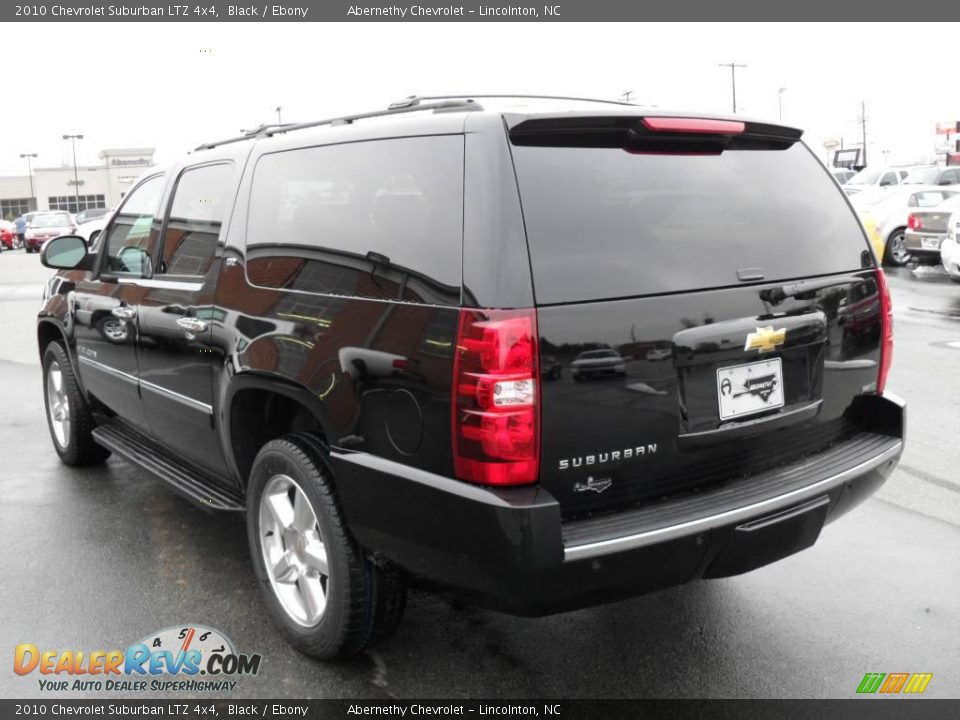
<point x="96" y="559"/>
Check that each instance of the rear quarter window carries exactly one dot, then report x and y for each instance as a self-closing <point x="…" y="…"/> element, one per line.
<point x="603" y="223"/>
<point x="380" y="219"/>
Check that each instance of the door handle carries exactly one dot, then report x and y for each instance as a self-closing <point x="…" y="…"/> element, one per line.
<point x="124" y="312"/>
<point x="192" y="325"/>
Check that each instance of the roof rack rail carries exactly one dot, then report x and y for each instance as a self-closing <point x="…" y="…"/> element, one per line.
<point x="415" y="100"/>
<point x="393" y="109"/>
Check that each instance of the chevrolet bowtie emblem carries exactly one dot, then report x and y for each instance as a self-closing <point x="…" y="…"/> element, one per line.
<point x="765" y="339"/>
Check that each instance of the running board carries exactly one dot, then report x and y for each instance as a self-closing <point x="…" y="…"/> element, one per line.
<point x="145" y="454"/>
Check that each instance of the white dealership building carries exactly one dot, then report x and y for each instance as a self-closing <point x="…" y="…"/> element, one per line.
<point x="57" y="188"/>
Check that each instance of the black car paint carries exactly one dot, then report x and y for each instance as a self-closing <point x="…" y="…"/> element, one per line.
<point x="389" y="434"/>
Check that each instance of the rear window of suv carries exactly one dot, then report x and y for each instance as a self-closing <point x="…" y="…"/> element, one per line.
<point x="604" y="223"/>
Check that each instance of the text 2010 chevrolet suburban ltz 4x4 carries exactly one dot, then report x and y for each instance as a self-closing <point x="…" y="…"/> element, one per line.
<point x="339" y="329"/>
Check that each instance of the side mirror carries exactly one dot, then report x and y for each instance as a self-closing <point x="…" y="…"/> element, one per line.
<point x="64" y="252"/>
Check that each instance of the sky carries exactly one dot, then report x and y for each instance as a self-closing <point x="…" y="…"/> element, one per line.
<point x="174" y="85"/>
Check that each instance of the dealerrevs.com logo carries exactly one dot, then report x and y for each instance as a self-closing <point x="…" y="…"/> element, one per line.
<point x="188" y="658"/>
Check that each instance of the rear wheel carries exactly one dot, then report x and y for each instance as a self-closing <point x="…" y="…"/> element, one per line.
<point x="327" y="597"/>
<point x="896" y="253"/>
<point x="68" y="415"/>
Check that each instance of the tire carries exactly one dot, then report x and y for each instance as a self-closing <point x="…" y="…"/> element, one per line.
<point x="328" y="599"/>
<point x="894" y="254"/>
<point x="68" y="415"/>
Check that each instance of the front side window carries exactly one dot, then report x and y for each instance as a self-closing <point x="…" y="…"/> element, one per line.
<point x="196" y="217"/>
<point x="132" y="235"/>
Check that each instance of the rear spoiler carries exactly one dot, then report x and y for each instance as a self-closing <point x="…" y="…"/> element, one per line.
<point x="653" y="134"/>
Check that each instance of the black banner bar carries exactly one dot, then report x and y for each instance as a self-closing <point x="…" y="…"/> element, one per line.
<point x="481" y="11"/>
<point x="856" y="709"/>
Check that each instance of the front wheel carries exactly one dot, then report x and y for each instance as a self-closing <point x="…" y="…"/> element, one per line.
<point x="68" y="415"/>
<point x="896" y="253"/>
<point x="327" y="597"/>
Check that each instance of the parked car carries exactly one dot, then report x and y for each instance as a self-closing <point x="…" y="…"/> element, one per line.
<point x="870" y="178"/>
<point x="45" y="225"/>
<point x="454" y="241"/>
<point x="91" y="229"/>
<point x="950" y="248"/>
<point x="89" y="214"/>
<point x="926" y="230"/>
<point x="597" y="363"/>
<point x="934" y="176"/>
<point x="842" y="175"/>
<point x="885" y="213"/>
<point x="8" y="235"/>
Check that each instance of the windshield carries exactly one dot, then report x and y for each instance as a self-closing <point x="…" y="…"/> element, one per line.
<point x="864" y="178"/>
<point x="926" y="176"/>
<point x="51" y="221"/>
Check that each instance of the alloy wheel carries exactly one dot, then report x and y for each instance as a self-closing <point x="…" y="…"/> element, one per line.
<point x="58" y="404"/>
<point x="294" y="554"/>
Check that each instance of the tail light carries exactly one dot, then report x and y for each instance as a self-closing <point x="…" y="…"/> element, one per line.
<point x="495" y="402"/>
<point x="886" y="330"/>
<point x="914" y="222"/>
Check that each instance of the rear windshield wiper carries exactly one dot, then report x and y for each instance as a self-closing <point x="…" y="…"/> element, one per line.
<point x="777" y="295"/>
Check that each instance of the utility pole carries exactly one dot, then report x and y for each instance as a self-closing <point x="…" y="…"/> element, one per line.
<point x="279" y="121"/>
<point x="626" y="95"/>
<point x="733" y="79"/>
<point x="780" y="102"/>
<point x="863" y="129"/>
<point x="30" y="173"/>
<point x="76" y="180"/>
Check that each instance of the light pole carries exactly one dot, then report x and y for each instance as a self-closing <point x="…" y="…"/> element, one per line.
<point x="76" y="180"/>
<point x="28" y="156"/>
<point x="733" y="79"/>
<point x="780" y="102"/>
<point x="279" y="121"/>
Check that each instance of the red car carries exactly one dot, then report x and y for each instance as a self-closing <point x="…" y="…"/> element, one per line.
<point x="46" y="225"/>
<point x="8" y="235"/>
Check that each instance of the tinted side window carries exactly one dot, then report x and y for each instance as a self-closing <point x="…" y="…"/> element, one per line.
<point x="380" y="219"/>
<point x="132" y="236"/>
<point x="889" y="179"/>
<point x="199" y="207"/>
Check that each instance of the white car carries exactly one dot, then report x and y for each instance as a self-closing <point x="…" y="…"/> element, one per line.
<point x="869" y="178"/>
<point x="595" y="363"/>
<point x="889" y="209"/>
<point x="90" y="230"/>
<point x="950" y="248"/>
<point x="934" y="175"/>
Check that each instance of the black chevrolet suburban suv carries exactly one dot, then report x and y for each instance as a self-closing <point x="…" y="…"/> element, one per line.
<point x="340" y="329"/>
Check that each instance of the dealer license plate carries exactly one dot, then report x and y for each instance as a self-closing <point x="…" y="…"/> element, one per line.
<point x="930" y="243"/>
<point x="750" y="388"/>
